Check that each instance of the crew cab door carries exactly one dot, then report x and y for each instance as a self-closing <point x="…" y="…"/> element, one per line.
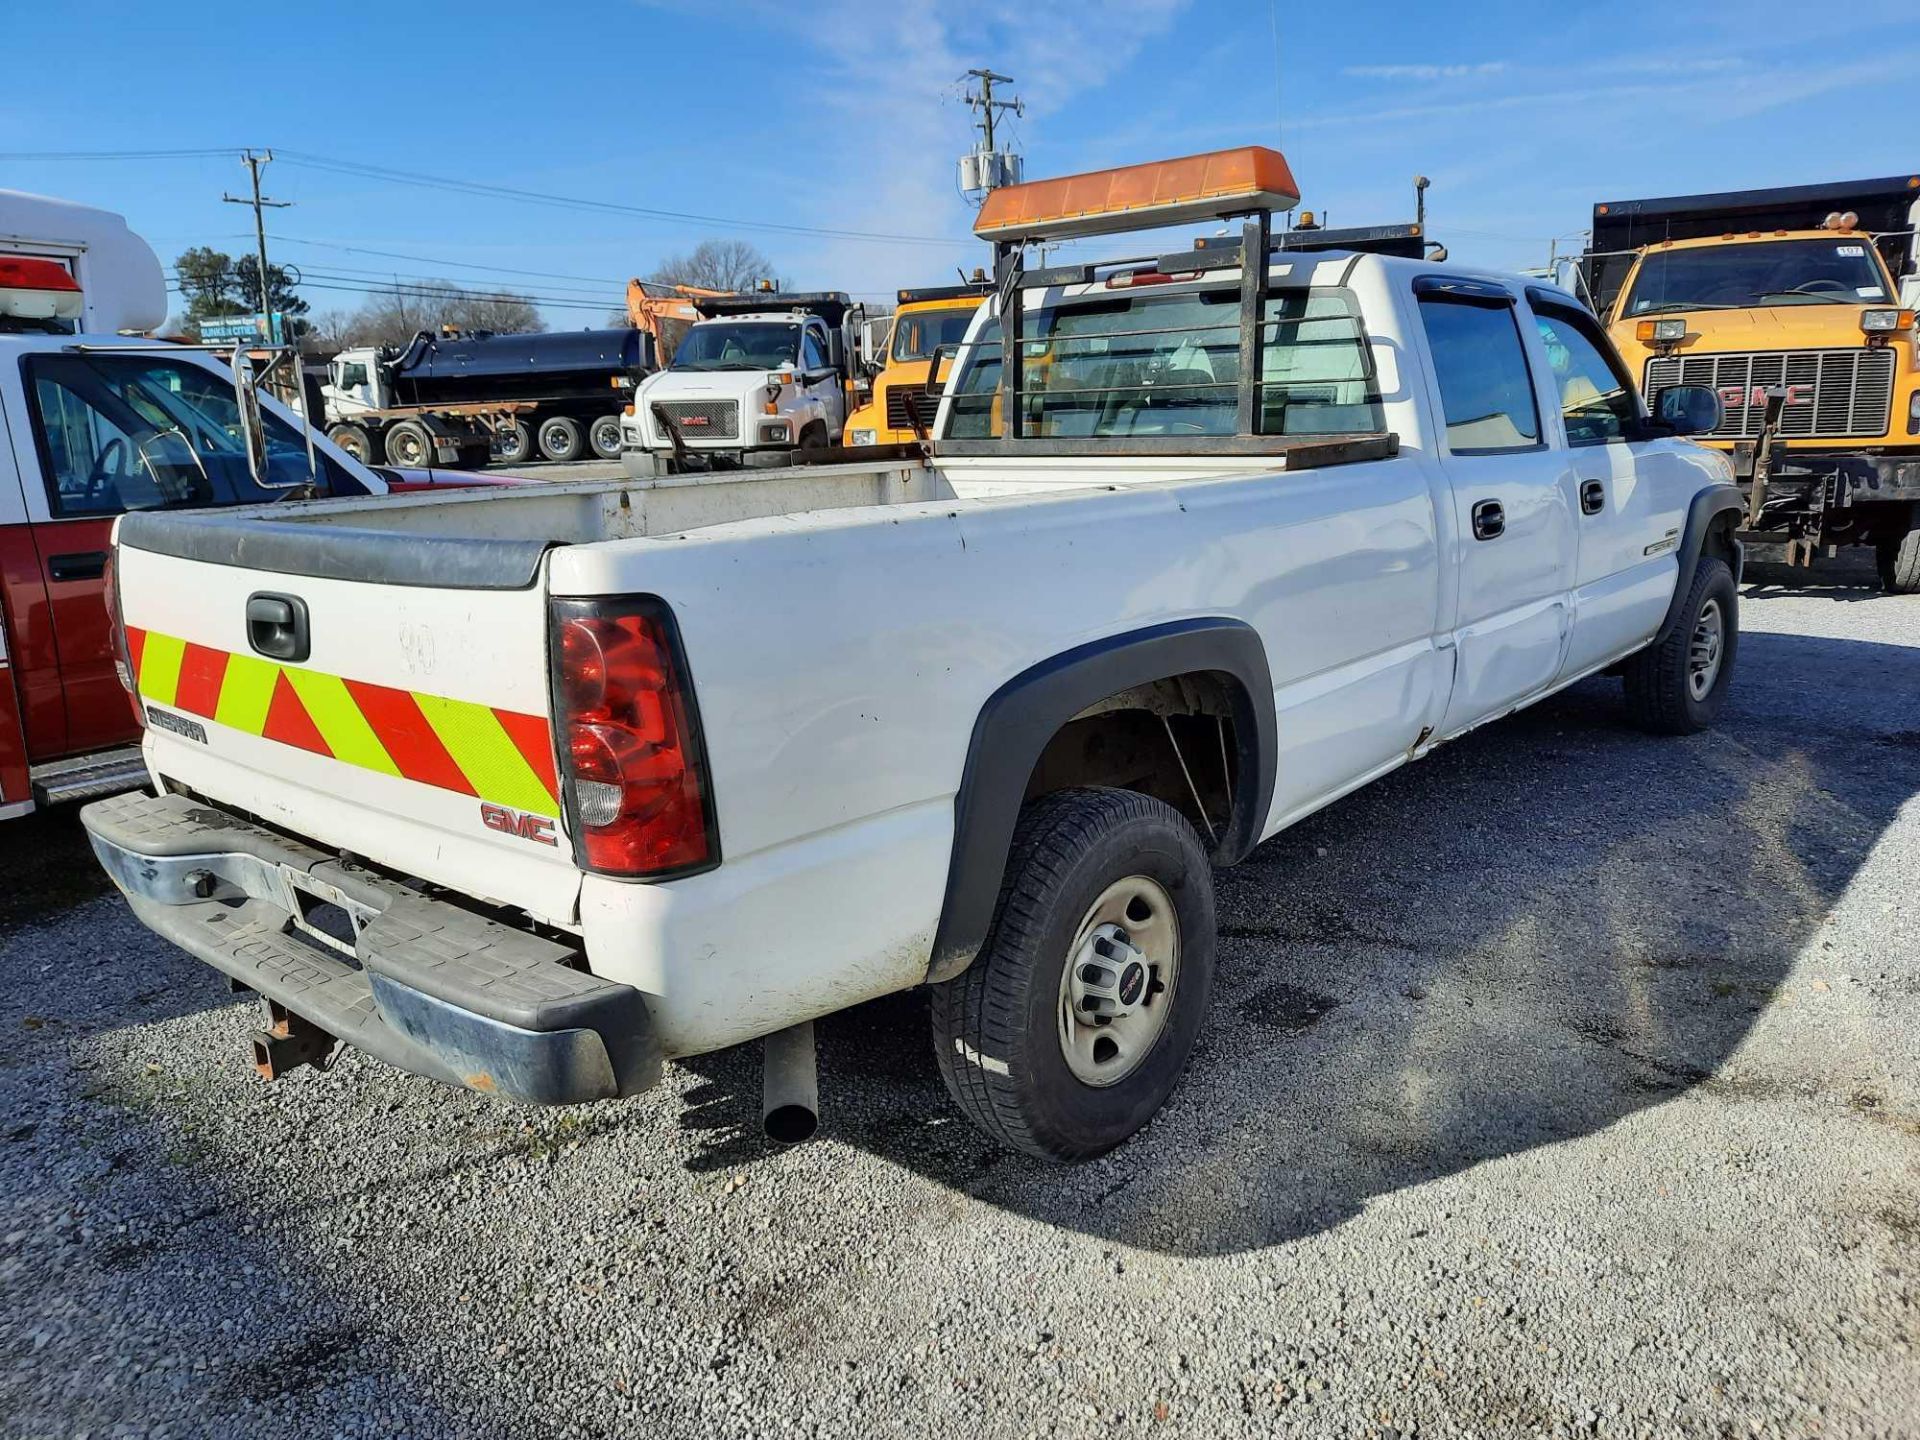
<point x="823" y="381"/>
<point x="1628" y="489"/>
<point x="70" y="693"/>
<point x="29" y="666"/>
<point x="1513" y="530"/>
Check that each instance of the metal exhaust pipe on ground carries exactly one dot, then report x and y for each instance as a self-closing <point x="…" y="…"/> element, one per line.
<point x="790" y="1085"/>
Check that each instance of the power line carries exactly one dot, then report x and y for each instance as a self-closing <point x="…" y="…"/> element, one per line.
<point x="445" y="264"/>
<point x="388" y="175"/>
<point x="116" y="154"/>
<point x="574" y="202"/>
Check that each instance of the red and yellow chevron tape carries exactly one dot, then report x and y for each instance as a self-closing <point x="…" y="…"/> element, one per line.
<point x="502" y="756"/>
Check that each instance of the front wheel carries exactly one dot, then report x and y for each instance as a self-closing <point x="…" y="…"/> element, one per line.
<point x="1899" y="557"/>
<point x="354" y="440"/>
<point x="1077" y="1019"/>
<point x="409" y="445"/>
<point x="1676" y="687"/>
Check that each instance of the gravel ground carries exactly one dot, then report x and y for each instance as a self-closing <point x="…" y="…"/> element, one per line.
<point x="1562" y="1084"/>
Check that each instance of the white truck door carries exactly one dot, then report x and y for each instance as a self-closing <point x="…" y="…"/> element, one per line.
<point x="1514" y="536"/>
<point x="1629" y="505"/>
<point x="823" y="382"/>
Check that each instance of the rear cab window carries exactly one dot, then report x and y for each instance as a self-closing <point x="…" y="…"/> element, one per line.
<point x="1159" y="361"/>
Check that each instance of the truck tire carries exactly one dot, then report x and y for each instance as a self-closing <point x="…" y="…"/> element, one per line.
<point x="560" y="438"/>
<point x="474" y="457"/>
<point x="814" y="437"/>
<point x="1106" y="910"/>
<point x="1676" y="687"/>
<point x="409" y="445"/>
<point x="516" y="446"/>
<point x="604" y="436"/>
<point x="355" y="440"/>
<point x="1899" y="557"/>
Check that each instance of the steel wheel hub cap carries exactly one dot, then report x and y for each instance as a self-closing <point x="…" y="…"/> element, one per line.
<point x="1116" y="991"/>
<point x="1704" y="650"/>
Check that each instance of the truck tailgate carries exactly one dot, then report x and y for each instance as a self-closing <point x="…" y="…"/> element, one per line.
<point x="414" y="728"/>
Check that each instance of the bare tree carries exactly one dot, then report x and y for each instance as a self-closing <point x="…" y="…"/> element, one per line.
<point x="717" y="264"/>
<point x="506" y="314"/>
<point x="394" y="316"/>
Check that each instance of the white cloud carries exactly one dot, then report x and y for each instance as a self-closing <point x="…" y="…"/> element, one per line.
<point x="1705" y="65"/>
<point x="1424" y="72"/>
<point x="889" y="74"/>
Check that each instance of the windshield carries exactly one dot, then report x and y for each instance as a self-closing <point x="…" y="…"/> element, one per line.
<point x="1147" y="362"/>
<point x="1841" y="271"/>
<point x="916" y="334"/>
<point x="146" y="432"/>
<point x="739" y="345"/>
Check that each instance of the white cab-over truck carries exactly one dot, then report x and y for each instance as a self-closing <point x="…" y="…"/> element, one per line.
<point x="527" y="790"/>
<point x="756" y="378"/>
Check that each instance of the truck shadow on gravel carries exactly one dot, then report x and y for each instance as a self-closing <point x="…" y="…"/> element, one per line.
<point x="1542" y="929"/>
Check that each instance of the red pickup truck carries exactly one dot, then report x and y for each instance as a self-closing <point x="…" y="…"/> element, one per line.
<point x="96" y="420"/>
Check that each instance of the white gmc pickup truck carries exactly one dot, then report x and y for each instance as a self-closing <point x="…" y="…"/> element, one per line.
<point x="526" y="790"/>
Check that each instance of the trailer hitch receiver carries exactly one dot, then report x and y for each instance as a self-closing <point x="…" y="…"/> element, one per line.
<point x="287" y="1042"/>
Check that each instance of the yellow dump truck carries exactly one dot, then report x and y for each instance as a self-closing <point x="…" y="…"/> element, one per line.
<point x="1788" y="303"/>
<point x="927" y="324"/>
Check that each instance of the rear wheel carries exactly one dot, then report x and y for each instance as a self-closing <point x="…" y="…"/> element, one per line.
<point x="409" y="444"/>
<point x="560" y="438"/>
<point x="604" y="437"/>
<point x="1077" y="1019"/>
<point x="1677" y="686"/>
<point x="1899" y="557"/>
<point x="354" y="440"/>
<point x="515" y="445"/>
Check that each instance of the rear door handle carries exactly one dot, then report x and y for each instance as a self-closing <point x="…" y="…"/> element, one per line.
<point x="79" y="565"/>
<point x="1593" y="497"/>
<point x="1489" y="520"/>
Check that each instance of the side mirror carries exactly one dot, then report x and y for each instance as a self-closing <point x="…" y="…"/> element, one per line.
<point x="253" y="432"/>
<point x="1689" y="409"/>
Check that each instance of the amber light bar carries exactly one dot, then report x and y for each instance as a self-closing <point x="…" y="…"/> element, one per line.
<point x="1195" y="188"/>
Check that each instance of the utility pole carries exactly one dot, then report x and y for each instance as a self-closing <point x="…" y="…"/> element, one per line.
<point x="987" y="105"/>
<point x="253" y="163"/>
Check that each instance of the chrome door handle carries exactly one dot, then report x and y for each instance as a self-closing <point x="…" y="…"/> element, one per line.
<point x="1489" y="520"/>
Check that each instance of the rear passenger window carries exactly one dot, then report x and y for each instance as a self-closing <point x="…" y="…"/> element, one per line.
<point x="1486" y="389"/>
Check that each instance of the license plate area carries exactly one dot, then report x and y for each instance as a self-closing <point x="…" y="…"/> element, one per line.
<point x="324" y="913"/>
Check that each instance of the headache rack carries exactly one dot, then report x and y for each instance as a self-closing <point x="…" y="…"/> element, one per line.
<point x="1250" y="386"/>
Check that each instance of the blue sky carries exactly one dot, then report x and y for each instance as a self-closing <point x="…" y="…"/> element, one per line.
<point x="843" y="116"/>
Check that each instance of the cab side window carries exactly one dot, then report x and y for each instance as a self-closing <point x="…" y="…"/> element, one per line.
<point x="811" y="355"/>
<point x="85" y="451"/>
<point x="1596" y="399"/>
<point x="1486" y="389"/>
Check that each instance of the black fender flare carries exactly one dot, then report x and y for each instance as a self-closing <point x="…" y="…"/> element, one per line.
<point x="1019" y="718"/>
<point x="1707" y="507"/>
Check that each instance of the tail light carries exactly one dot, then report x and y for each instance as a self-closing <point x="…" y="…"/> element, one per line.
<point x="124" y="663"/>
<point x="634" y="767"/>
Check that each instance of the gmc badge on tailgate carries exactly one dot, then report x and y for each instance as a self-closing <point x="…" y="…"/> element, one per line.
<point x="536" y="828"/>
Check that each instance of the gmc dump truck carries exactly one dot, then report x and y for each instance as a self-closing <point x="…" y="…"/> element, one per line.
<point x="528" y="791"/>
<point x="1787" y="303"/>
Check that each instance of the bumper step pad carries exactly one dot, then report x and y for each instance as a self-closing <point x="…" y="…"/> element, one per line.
<point x="431" y="987"/>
